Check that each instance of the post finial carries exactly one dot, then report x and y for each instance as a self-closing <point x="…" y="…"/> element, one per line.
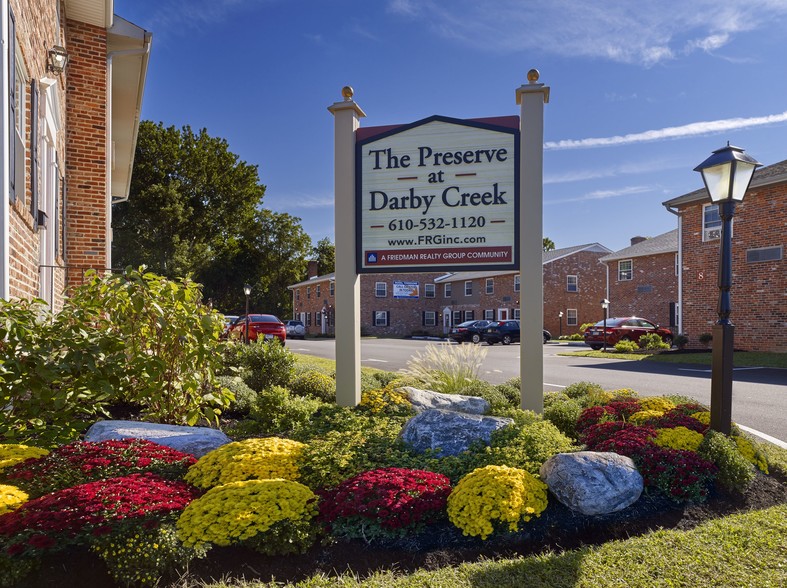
<point x="347" y="93"/>
<point x="533" y="75"/>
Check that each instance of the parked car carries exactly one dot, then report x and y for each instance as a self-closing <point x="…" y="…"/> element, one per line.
<point x="295" y="329"/>
<point x="469" y="331"/>
<point x="629" y="328"/>
<point x="265" y="326"/>
<point x="507" y="332"/>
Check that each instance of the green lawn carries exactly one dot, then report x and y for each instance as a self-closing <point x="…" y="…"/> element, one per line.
<point x="740" y="358"/>
<point x="741" y="550"/>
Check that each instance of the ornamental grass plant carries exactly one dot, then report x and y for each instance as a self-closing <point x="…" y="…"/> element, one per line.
<point x="447" y="368"/>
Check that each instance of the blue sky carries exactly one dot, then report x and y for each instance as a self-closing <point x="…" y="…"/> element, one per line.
<point x="641" y="92"/>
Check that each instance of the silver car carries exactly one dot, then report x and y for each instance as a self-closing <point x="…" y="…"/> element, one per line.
<point x="295" y="329"/>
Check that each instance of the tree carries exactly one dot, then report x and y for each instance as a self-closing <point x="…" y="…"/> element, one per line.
<point x="195" y="210"/>
<point x="549" y="244"/>
<point x="325" y="255"/>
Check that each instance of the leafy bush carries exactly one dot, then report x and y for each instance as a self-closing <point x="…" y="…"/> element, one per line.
<point x="314" y="385"/>
<point x="245" y="397"/>
<point x="619" y="437"/>
<point x="652" y="342"/>
<point x="384" y="503"/>
<point x="447" y="368"/>
<point x="277" y="412"/>
<point x="496" y="399"/>
<point x="271" y="516"/>
<point x="386" y="401"/>
<point x="85" y="461"/>
<point x="512" y="394"/>
<point x="495" y="496"/>
<point x="678" y="438"/>
<point x="645" y="416"/>
<point x="626" y="347"/>
<point x="705" y="339"/>
<point x="579" y="389"/>
<point x="752" y="453"/>
<point x="526" y="446"/>
<point x="564" y="415"/>
<point x="735" y="472"/>
<point x="263" y="364"/>
<point x="658" y="403"/>
<point x="252" y="459"/>
<point x="170" y="343"/>
<point x="680" y="341"/>
<point x="680" y="475"/>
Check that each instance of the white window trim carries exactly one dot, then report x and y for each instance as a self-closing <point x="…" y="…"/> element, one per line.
<point x="470" y="284"/>
<point x="630" y="270"/>
<point x="490" y="286"/>
<point x="489" y="314"/>
<point x="517" y="283"/>
<point x="427" y="291"/>
<point x="568" y="283"/>
<point x="377" y="289"/>
<point x="569" y="321"/>
<point x="377" y="315"/>
<point x="447" y="290"/>
<point x="712" y="233"/>
<point x="516" y="314"/>
<point x="469" y="315"/>
<point x="430" y="318"/>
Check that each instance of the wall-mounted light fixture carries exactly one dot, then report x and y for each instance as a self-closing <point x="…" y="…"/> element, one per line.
<point x="57" y="58"/>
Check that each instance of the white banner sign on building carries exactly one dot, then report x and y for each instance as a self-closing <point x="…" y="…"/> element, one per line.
<point x="440" y="193"/>
<point x="405" y="290"/>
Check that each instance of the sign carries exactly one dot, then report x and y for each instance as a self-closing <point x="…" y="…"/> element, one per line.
<point x="405" y="290"/>
<point x="438" y="194"/>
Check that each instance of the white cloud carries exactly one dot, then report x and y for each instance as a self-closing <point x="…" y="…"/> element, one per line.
<point x="644" y="167"/>
<point x="644" y="33"/>
<point x="603" y="194"/>
<point x="689" y="130"/>
<point x="298" y="201"/>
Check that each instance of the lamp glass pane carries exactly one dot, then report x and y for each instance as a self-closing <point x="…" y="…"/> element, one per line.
<point x="717" y="180"/>
<point x="743" y="174"/>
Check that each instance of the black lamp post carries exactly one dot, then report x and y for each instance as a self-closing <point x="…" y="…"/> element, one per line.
<point x="727" y="175"/>
<point x="247" y="292"/>
<point x="605" y="306"/>
<point x="560" y="316"/>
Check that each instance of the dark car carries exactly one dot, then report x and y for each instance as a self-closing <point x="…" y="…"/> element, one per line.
<point x="629" y="328"/>
<point x="262" y="326"/>
<point x="469" y="331"/>
<point x="507" y="332"/>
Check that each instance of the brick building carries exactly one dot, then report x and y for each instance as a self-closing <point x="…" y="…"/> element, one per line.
<point x="759" y="270"/>
<point x="400" y="305"/>
<point x="643" y="279"/>
<point x="70" y="135"/>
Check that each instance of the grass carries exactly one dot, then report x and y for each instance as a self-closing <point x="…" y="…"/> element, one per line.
<point x="740" y="550"/>
<point x="740" y="358"/>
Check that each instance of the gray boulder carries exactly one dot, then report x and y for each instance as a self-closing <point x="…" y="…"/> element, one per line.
<point x="194" y="440"/>
<point x="448" y="432"/>
<point x="426" y="400"/>
<point x="592" y="483"/>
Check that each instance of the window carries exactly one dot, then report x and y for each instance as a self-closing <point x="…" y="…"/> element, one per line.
<point x="332" y="288"/>
<point x="468" y="288"/>
<point x="677" y="265"/>
<point x="297" y="295"/>
<point x="380" y="289"/>
<point x="516" y="314"/>
<point x="429" y="290"/>
<point x="457" y="317"/>
<point x="490" y="285"/>
<point x="764" y="254"/>
<point x="572" y="284"/>
<point x="711" y="222"/>
<point x="381" y="318"/>
<point x="308" y="319"/>
<point x="308" y="291"/>
<point x="430" y="318"/>
<point x="517" y="280"/>
<point x="625" y="270"/>
<point x="571" y="317"/>
<point x="447" y="290"/>
<point x="489" y="315"/>
<point x="469" y="315"/>
<point x="317" y="290"/>
<point x="318" y="318"/>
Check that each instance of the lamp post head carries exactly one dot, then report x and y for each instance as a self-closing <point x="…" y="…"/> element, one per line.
<point x="246" y="289"/>
<point x="727" y="173"/>
<point x="605" y="303"/>
<point x="560" y="314"/>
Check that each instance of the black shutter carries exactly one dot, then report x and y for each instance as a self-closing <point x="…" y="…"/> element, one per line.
<point x="12" y="105"/>
<point x="34" y="152"/>
<point x="65" y="216"/>
<point x="387" y="318"/>
<point x="374" y="318"/>
<point x="55" y="224"/>
<point x="423" y="318"/>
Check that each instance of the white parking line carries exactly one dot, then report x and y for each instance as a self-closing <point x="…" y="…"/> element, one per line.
<point x="377" y="360"/>
<point x="757" y="433"/>
<point x="554" y="385"/>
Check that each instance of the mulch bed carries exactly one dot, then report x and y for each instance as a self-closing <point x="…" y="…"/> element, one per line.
<point x="557" y="529"/>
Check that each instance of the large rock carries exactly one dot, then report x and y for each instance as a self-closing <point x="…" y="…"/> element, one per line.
<point x="194" y="440"/>
<point x="448" y="432"/>
<point x="427" y="400"/>
<point x="592" y="483"/>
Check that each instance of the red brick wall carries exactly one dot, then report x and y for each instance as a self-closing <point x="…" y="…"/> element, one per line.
<point x="86" y="147"/>
<point x="591" y="288"/>
<point x="649" y="292"/>
<point x="759" y="290"/>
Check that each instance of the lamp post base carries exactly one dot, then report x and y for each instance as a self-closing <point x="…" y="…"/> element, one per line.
<point x="721" y="378"/>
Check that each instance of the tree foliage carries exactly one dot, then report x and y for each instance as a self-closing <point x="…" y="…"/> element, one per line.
<point x="195" y="210"/>
<point x="325" y="255"/>
<point x="549" y="244"/>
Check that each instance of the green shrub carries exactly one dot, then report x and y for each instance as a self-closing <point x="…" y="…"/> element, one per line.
<point x="585" y="326"/>
<point x="525" y="447"/>
<point x="264" y="364"/>
<point x="277" y="412"/>
<point x="488" y="392"/>
<point x="384" y="378"/>
<point x="680" y="341"/>
<point x="551" y="398"/>
<point x="564" y="416"/>
<point x="735" y="472"/>
<point x="705" y="338"/>
<point x="447" y="368"/>
<point x="626" y="347"/>
<point x="579" y="389"/>
<point x="511" y="393"/>
<point x="652" y="341"/>
<point x="314" y="385"/>
<point x="245" y="397"/>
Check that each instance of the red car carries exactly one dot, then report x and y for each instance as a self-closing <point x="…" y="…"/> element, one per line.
<point x="265" y="326"/>
<point x="629" y="328"/>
